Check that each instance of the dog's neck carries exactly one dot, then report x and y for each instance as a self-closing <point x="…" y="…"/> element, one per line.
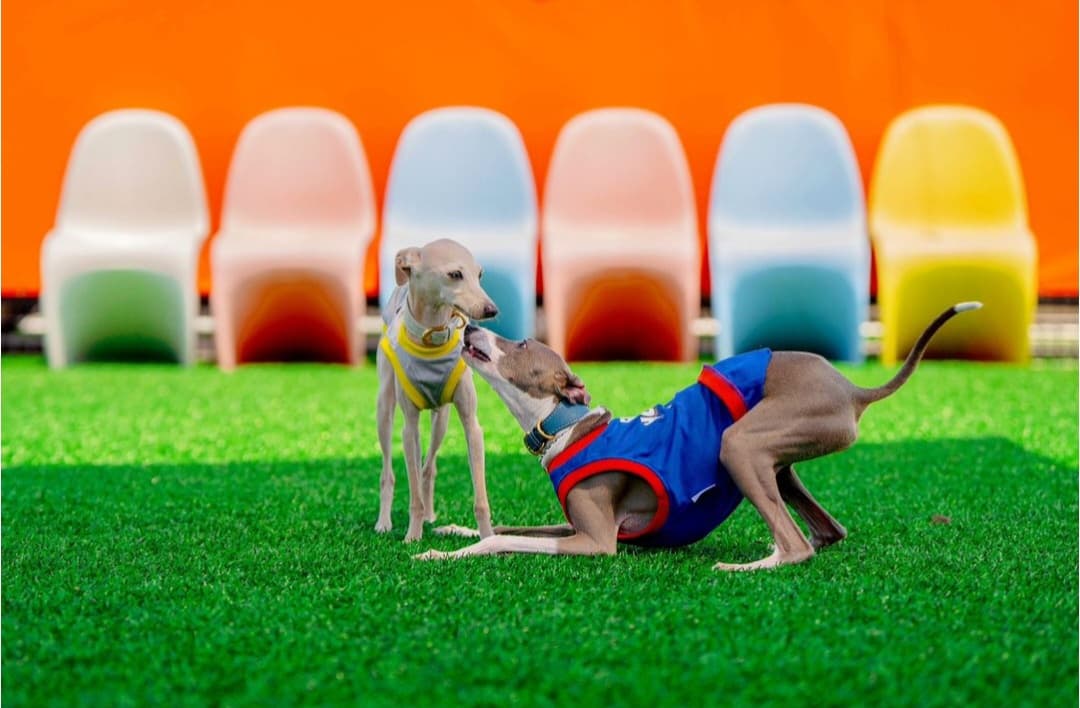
<point x="567" y="436"/>
<point x="531" y="412"/>
<point x="429" y="325"/>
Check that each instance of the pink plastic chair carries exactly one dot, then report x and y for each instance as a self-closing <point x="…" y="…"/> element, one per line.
<point x="288" y="263"/>
<point x="620" y="246"/>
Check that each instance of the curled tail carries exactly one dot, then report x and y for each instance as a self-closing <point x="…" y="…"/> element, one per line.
<point x="870" y="395"/>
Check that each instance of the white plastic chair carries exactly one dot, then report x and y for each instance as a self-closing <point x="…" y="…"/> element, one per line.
<point x="463" y="173"/>
<point x="788" y="245"/>
<point x="119" y="267"/>
<point x="288" y="263"/>
<point x="619" y="240"/>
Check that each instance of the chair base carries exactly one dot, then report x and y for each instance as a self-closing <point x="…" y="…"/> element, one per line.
<point x="295" y="316"/>
<point x="801" y="308"/>
<point x="999" y="332"/>
<point x="627" y="316"/>
<point x="517" y="316"/>
<point x="120" y="315"/>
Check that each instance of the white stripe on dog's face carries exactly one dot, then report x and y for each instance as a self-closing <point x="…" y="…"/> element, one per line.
<point x="527" y="375"/>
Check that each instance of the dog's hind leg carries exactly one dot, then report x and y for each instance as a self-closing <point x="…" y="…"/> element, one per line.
<point x="754" y="472"/>
<point x="384" y="419"/>
<point x="824" y="529"/>
<point x="786" y="427"/>
<point x="439" y="418"/>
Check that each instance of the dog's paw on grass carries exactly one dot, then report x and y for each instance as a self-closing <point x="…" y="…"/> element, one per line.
<point x="455" y="530"/>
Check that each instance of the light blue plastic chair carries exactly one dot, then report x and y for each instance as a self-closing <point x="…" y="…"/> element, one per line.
<point x="788" y="247"/>
<point x="463" y="173"/>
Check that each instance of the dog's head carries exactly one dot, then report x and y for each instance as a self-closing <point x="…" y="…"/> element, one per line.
<point x="529" y="376"/>
<point x="444" y="274"/>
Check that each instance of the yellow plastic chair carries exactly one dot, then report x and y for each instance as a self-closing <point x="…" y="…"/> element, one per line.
<point x="948" y="220"/>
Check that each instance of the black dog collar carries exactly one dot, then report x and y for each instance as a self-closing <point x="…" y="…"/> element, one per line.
<point x="564" y="415"/>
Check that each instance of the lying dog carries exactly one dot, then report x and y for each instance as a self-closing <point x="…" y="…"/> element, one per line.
<point x="420" y="368"/>
<point x="673" y="474"/>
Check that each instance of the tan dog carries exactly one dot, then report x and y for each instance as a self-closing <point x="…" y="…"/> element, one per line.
<point x="420" y="368"/>
<point x="765" y="410"/>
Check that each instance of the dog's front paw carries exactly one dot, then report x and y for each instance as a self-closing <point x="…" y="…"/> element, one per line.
<point x="455" y="530"/>
<point x="431" y="555"/>
<point x="383" y="525"/>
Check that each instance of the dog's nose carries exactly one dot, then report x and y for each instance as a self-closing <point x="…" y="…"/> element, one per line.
<point x="470" y="328"/>
<point x="490" y="311"/>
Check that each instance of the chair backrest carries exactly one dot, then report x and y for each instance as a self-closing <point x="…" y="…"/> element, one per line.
<point x="786" y="165"/>
<point x="619" y="167"/>
<point x="459" y="168"/>
<point x="134" y="171"/>
<point x="299" y="168"/>
<point x="948" y="166"/>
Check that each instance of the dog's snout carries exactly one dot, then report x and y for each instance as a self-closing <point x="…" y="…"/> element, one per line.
<point x="470" y="328"/>
<point x="490" y="311"/>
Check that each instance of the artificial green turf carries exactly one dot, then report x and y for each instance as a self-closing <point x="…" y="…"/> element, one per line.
<point x="187" y="537"/>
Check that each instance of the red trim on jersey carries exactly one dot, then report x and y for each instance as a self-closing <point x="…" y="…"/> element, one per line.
<point x="575" y="448"/>
<point x="628" y="467"/>
<point x="725" y="391"/>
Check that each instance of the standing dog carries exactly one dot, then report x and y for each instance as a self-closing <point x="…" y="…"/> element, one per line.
<point x="420" y="368"/>
<point x="673" y="474"/>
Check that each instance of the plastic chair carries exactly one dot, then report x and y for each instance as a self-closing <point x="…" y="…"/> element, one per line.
<point x="288" y="262"/>
<point x="463" y="173"/>
<point x="619" y="241"/>
<point x="789" y="253"/>
<point x="948" y="220"/>
<point x="119" y="267"/>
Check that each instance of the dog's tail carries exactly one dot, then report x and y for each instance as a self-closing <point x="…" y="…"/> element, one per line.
<point x="870" y="395"/>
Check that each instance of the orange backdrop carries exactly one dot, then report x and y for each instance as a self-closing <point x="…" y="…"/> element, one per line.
<point x="698" y="62"/>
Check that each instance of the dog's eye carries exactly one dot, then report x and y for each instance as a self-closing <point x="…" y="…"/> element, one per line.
<point x="481" y="274"/>
<point x="523" y="344"/>
<point x="455" y="275"/>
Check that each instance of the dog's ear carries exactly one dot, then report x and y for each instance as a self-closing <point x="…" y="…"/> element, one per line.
<point x="572" y="389"/>
<point x="404" y="262"/>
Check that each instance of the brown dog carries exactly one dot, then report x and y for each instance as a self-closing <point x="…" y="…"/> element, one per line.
<point x="765" y="410"/>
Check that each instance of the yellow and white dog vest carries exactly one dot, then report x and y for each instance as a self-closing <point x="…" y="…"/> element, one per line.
<point x="428" y="375"/>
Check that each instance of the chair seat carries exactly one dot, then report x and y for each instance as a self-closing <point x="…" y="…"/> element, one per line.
<point x="289" y="247"/>
<point x="813" y="244"/>
<point x="905" y="242"/>
<point x="119" y="249"/>
<point x="604" y="246"/>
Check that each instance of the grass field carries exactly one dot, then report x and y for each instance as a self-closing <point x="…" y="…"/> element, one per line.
<point x="186" y="537"/>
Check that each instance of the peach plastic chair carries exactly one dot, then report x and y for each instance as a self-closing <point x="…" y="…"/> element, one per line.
<point x="948" y="220"/>
<point x="619" y="240"/>
<point x="119" y="267"/>
<point x="288" y="262"/>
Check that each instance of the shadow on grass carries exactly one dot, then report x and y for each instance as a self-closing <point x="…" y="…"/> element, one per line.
<point x="911" y="479"/>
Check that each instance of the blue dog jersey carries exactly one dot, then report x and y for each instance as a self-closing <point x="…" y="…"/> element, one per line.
<point x="675" y="448"/>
